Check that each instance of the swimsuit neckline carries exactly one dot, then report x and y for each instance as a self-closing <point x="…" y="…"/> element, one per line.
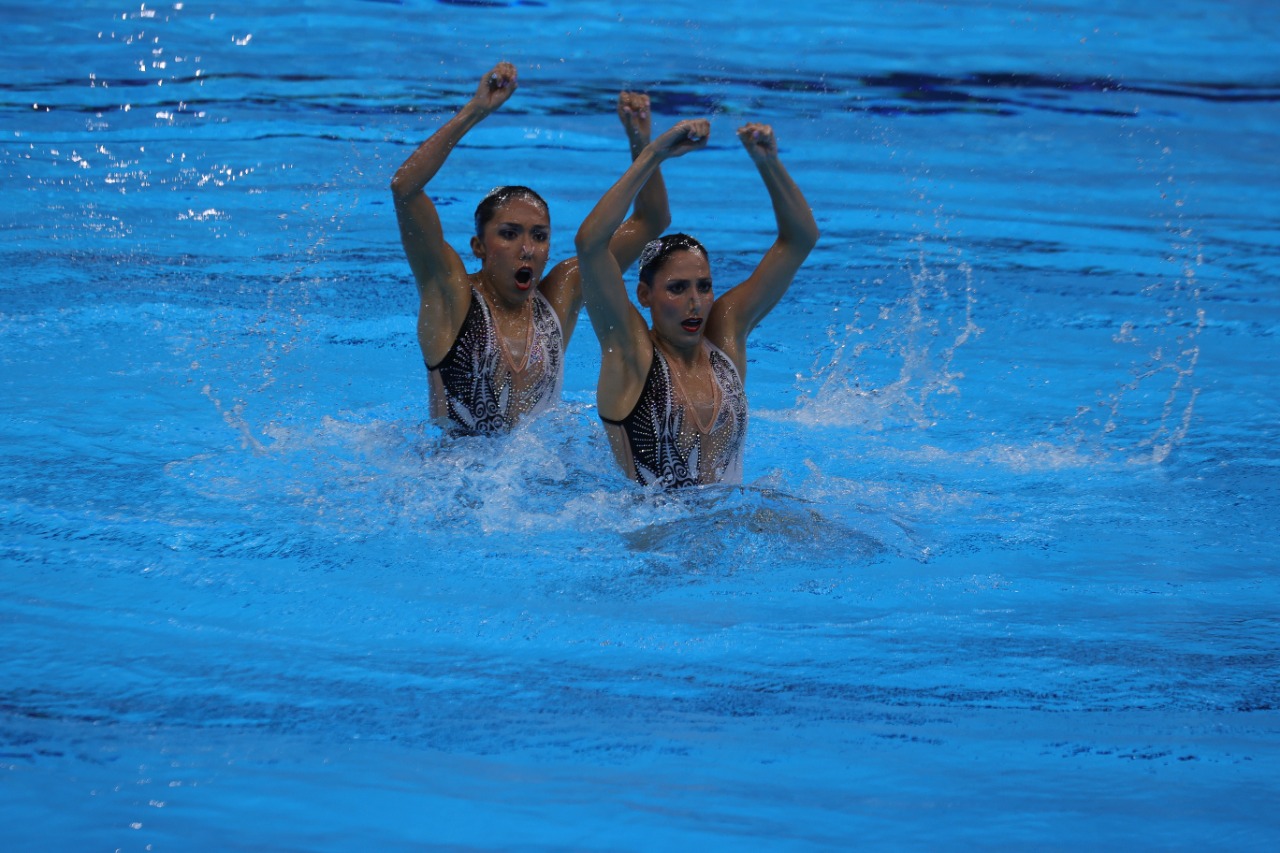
<point x="502" y="341"/>
<point x="683" y="396"/>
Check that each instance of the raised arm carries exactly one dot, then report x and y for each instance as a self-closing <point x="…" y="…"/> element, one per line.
<point x="650" y="217"/>
<point x="623" y="333"/>
<point x="739" y="310"/>
<point x="440" y="274"/>
<point x="651" y="214"/>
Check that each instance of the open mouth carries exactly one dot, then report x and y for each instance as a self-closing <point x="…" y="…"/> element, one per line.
<point x="524" y="276"/>
<point x="692" y="324"/>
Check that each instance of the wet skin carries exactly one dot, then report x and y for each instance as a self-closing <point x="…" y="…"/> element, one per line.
<point x="513" y="252"/>
<point x="679" y="302"/>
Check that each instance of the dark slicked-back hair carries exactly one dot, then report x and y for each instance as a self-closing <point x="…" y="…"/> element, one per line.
<point x="497" y="197"/>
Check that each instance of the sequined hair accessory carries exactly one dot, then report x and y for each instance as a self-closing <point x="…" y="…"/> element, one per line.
<point x="651" y="250"/>
<point x="657" y="251"/>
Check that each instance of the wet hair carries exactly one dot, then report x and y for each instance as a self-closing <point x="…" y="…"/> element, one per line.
<point x="656" y="252"/>
<point x="497" y="197"/>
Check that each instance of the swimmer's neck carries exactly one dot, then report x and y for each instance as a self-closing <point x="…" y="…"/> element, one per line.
<point x="499" y="302"/>
<point x="691" y="356"/>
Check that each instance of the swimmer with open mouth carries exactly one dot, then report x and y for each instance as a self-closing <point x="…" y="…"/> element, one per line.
<point x="517" y="302"/>
<point x="671" y="391"/>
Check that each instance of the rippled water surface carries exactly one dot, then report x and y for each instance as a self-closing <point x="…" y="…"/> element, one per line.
<point x="1000" y="576"/>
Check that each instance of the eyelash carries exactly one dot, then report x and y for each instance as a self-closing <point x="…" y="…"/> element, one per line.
<point x="538" y="236"/>
<point x="680" y="287"/>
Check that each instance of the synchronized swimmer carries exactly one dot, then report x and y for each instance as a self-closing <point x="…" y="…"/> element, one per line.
<point x="494" y="340"/>
<point x="670" y="392"/>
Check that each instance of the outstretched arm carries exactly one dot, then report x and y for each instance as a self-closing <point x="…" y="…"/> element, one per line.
<point x="439" y="272"/>
<point x="623" y="333"/>
<point x="651" y="214"/>
<point x="739" y="310"/>
<point x="650" y="217"/>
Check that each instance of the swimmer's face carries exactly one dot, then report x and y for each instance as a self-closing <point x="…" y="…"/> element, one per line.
<point x="514" y="248"/>
<point x="680" y="298"/>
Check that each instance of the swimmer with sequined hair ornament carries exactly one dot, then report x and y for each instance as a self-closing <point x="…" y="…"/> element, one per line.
<point x="494" y="340"/>
<point x="671" y="395"/>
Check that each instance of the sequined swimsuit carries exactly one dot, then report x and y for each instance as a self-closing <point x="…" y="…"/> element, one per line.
<point x="476" y="389"/>
<point x="662" y="440"/>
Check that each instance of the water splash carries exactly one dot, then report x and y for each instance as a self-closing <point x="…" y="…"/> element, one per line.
<point x="1147" y="417"/>
<point x="914" y="339"/>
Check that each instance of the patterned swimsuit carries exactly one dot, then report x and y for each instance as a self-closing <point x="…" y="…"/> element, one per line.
<point x="662" y="440"/>
<point x="477" y="390"/>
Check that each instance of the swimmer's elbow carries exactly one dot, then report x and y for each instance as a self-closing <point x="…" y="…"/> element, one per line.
<point x="402" y="190"/>
<point x="587" y="241"/>
<point x="805" y="237"/>
<point x="658" y="223"/>
<point x="811" y="237"/>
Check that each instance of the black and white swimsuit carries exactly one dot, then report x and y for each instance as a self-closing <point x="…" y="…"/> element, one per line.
<point x="477" y="389"/>
<point x="661" y="440"/>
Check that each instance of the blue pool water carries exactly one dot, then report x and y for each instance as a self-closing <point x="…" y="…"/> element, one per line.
<point x="1001" y="574"/>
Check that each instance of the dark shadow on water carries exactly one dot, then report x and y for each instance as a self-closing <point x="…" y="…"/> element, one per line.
<point x="726" y="530"/>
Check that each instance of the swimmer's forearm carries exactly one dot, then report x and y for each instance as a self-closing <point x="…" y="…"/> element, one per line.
<point x="796" y="225"/>
<point x="604" y="219"/>
<point x="651" y="213"/>
<point x="638" y="143"/>
<point x="652" y="208"/>
<point x="423" y="164"/>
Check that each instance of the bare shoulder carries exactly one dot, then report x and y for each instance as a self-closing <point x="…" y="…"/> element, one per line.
<point x="561" y="281"/>
<point x="562" y="287"/>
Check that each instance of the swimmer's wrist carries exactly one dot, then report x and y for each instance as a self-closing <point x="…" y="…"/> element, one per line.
<point x="765" y="159"/>
<point x="651" y="156"/>
<point x="474" y="111"/>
